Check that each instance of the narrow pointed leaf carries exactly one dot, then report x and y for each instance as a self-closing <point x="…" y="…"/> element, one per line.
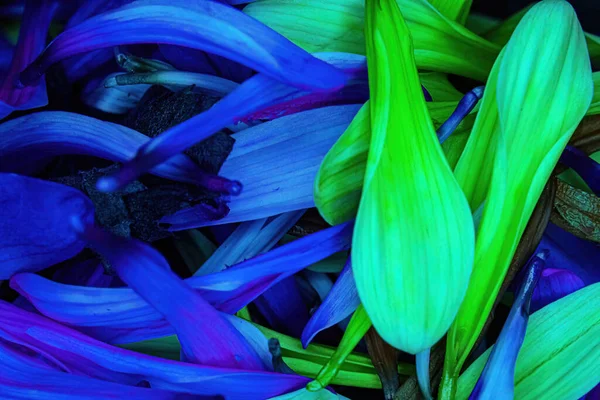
<point x="409" y="283"/>
<point x="495" y="171"/>
<point x="560" y="352"/>
<point x="317" y="26"/>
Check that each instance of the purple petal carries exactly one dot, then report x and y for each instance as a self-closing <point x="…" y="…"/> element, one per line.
<point x="63" y="343"/>
<point x="120" y="315"/>
<point x="32" y="39"/>
<point x="52" y="133"/>
<point x="553" y="285"/>
<point x="86" y="273"/>
<point x="253" y="95"/>
<point x="340" y="303"/>
<point x="34" y="229"/>
<point x="206" y="338"/>
<point x="202" y="25"/>
<point x="498" y="376"/>
<point x="277" y="170"/>
<point x="569" y="252"/>
<point x="283" y="307"/>
<point x="585" y="166"/>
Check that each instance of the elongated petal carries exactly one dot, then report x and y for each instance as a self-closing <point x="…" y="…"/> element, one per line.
<point x="305" y="394"/>
<point x="341" y="301"/>
<point x="317" y="26"/>
<point x="277" y="170"/>
<point x="283" y="307"/>
<point x="453" y="9"/>
<point x="560" y="352"/>
<point x="204" y="25"/>
<point x="254" y="95"/>
<point x="439" y="87"/>
<point x="338" y="184"/>
<point x="122" y="316"/>
<point x="205" y="336"/>
<point x="62" y="343"/>
<point x="554" y="284"/>
<point x="56" y="133"/>
<point x="34" y="232"/>
<point x="413" y="241"/>
<point x="494" y="168"/>
<point x="498" y="376"/>
<point x="32" y="39"/>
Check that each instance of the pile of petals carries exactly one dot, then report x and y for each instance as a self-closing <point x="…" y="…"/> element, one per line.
<point x="298" y="199"/>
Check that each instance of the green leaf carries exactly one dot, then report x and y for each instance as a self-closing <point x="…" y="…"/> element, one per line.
<point x="413" y="240"/>
<point x="560" y="353"/>
<point x="512" y="151"/>
<point x="337" y="26"/>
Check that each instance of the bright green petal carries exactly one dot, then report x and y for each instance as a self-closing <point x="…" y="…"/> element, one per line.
<point x="439" y="87"/>
<point x="455" y="10"/>
<point x="339" y="182"/>
<point x="538" y="92"/>
<point x="413" y="239"/>
<point x="337" y="26"/>
<point x="595" y="106"/>
<point x="559" y="357"/>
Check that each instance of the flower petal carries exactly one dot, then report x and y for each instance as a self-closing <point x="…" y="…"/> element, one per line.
<point x="560" y="352"/>
<point x="341" y="301"/>
<point x="34" y="233"/>
<point x="204" y="25"/>
<point x="495" y="169"/>
<point x="410" y="285"/>
<point x="498" y="376"/>
<point x="554" y="284"/>
<point x="277" y="170"/>
<point x="585" y="166"/>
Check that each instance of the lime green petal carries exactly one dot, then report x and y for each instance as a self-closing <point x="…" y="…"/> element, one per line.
<point x="337" y="26"/>
<point x="338" y="185"/>
<point x="439" y="87"/>
<point x="560" y="353"/>
<point x="537" y="93"/>
<point x="595" y="106"/>
<point x="413" y="239"/>
<point x="455" y="10"/>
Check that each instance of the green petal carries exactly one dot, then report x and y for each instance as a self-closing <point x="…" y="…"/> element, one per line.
<point x="595" y="106"/>
<point x="560" y="353"/>
<point x="304" y="394"/>
<point x="439" y="87"/>
<point x="337" y="26"/>
<point x="455" y="10"/>
<point x="339" y="182"/>
<point x="537" y="93"/>
<point x="413" y="239"/>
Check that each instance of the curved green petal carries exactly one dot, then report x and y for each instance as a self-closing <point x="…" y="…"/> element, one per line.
<point x="440" y="43"/>
<point x="534" y="99"/>
<point x="560" y="353"/>
<point x="595" y="106"/>
<point x="439" y="87"/>
<point x="455" y="10"/>
<point x="414" y="238"/>
<point x="339" y="182"/>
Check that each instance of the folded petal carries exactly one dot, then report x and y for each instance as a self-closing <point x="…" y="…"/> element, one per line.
<point x="277" y="170"/>
<point x="495" y="170"/>
<point x="34" y="228"/>
<point x="52" y="133"/>
<point x="410" y="285"/>
<point x="560" y="352"/>
<point x="63" y="343"/>
<point x="498" y="376"/>
<point x="205" y="336"/>
<point x="440" y="43"/>
<point x="32" y="39"/>
<point x="203" y="25"/>
<point x="341" y="301"/>
<point x="121" y="316"/>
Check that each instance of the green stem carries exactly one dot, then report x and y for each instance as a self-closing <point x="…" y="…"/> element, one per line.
<point x="448" y="385"/>
<point x="357" y="328"/>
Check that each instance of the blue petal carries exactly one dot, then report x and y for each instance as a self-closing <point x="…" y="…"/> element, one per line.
<point x="464" y="107"/>
<point x="205" y="336"/>
<point x="61" y="343"/>
<point x="339" y="304"/>
<point x="554" y="284"/>
<point x="255" y="94"/>
<point x="203" y="25"/>
<point x="120" y="315"/>
<point x="34" y="232"/>
<point x="498" y="376"/>
<point x="51" y="133"/>
<point x="585" y="166"/>
<point x="32" y="39"/>
<point x="277" y="170"/>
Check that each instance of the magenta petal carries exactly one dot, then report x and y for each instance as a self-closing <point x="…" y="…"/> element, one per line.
<point x="205" y="336"/>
